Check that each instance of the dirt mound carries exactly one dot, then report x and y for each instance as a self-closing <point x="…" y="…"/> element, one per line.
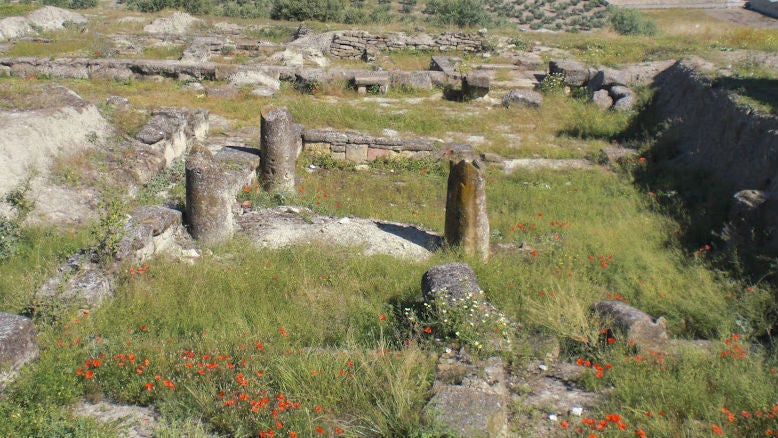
<point x="45" y="18"/>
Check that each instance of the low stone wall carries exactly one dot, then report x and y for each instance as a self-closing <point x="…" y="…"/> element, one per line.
<point x="355" y="147"/>
<point x="141" y="69"/>
<point x="736" y="145"/>
<point x="353" y="44"/>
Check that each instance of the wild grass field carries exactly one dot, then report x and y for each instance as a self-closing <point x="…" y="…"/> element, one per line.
<point x="315" y="340"/>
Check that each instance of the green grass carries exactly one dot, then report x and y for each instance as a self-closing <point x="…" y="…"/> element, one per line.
<point x="16" y="9"/>
<point x="566" y="240"/>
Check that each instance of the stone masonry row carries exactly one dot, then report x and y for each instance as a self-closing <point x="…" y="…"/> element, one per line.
<point x="358" y="148"/>
<point x="352" y="45"/>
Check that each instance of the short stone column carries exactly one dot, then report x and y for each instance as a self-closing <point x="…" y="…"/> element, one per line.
<point x="278" y="150"/>
<point x="466" y="221"/>
<point x="210" y="193"/>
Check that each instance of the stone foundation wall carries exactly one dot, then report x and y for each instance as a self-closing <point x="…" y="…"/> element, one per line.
<point x="358" y="148"/>
<point x="766" y="7"/>
<point x="353" y="44"/>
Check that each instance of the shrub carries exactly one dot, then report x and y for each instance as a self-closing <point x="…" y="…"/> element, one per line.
<point x="10" y="227"/>
<point x="301" y="10"/>
<point x="460" y="13"/>
<point x="631" y="22"/>
<point x="72" y="4"/>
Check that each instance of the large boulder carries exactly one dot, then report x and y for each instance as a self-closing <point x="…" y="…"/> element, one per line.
<point x="14" y="27"/>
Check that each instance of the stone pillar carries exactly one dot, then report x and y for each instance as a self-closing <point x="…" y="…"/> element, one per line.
<point x="278" y="150"/>
<point x="210" y="193"/>
<point x="466" y="221"/>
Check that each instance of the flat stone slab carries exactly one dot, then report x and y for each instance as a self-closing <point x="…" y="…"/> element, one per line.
<point x="546" y="163"/>
<point x="287" y="226"/>
<point x="131" y="421"/>
<point x="18" y="341"/>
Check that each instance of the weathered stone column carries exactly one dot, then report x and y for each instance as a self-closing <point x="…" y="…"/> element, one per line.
<point x="210" y="193"/>
<point x="278" y="150"/>
<point x="466" y="221"/>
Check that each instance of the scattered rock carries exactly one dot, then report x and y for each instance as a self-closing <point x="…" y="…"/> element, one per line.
<point x="522" y="97"/>
<point x="616" y="155"/>
<point x="602" y="99"/>
<point x="647" y="332"/>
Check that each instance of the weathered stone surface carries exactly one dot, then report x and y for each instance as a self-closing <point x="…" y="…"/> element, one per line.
<point x="255" y="78"/>
<point x="522" y="97"/>
<point x="753" y="219"/>
<point x="456" y="280"/>
<point x="476" y="84"/>
<point x="576" y="73"/>
<point x="46" y="18"/>
<point x="647" y="332"/>
<point x="626" y="103"/>
<point x="209" y="197"/>
<point x="171" y="131"/>
<point x="149" y="232"/>
<point x="602" y="99"/>
<point x="14" y="27"/>
<point x="53" y="18"/>
<point x="470" y="397"/>
<point x="80" y="281"/>
<point x="18" y="341"/>
<point x="278" y="150"/>
<point x="466" y="221"/>
<point x="178" y="24"/>
<point x="412" y="80"/>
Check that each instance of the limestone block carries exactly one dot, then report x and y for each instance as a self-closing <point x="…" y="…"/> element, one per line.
<point x="356" y="153"/>
<point x="576" y="73"/>
<point x="373" y="153"/>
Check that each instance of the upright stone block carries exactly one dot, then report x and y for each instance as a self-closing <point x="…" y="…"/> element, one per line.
<point x="210" y="193"/>
<point x="467" y="223"/>
<point x="278" y="150"/>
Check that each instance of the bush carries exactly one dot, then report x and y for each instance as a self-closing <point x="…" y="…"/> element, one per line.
<point x="553" y="83"/>
<point x="301" y="10"/>
<point x="631" y="22"/>
<point x="460" y="13"/>
<point x="72" y="4"/>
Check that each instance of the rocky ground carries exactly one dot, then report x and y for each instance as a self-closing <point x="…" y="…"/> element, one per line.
<point x="59" y="126"/>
